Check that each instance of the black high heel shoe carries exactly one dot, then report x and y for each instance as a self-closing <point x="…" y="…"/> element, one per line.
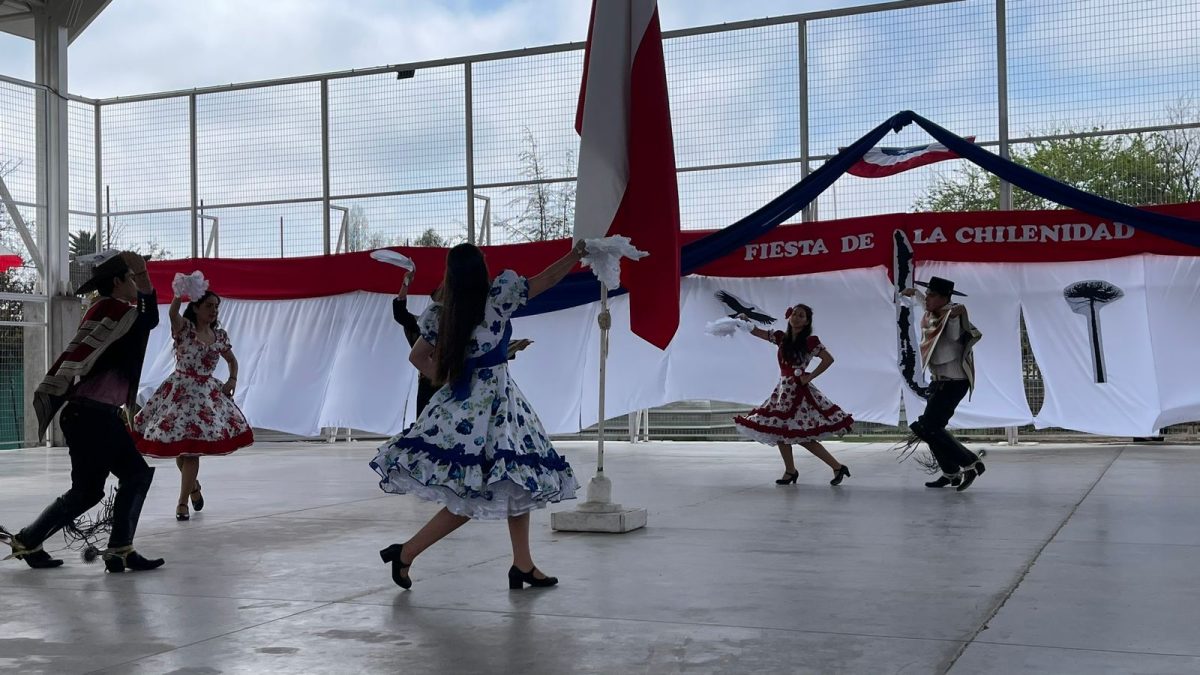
<point x="788" y="477"/>
<point x="842" y="472"/>
<point x="517" y="579"/>
<point x="392" y="554"/>
<point x="197" y="498"/>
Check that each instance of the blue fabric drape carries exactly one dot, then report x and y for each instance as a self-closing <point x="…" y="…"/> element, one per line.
<point x="581" y="288"/>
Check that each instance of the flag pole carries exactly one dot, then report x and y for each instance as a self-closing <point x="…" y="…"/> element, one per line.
<point x="605" y="323"/>
<point x="599" y="513"/>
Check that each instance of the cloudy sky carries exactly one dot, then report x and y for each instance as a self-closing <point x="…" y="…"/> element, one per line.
<point x="734" y="98"/>
<point x="193" y="43"/>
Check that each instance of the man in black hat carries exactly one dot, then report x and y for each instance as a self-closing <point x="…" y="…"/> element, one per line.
<point x="947" y="339"/>
<point x="90" y="382"/>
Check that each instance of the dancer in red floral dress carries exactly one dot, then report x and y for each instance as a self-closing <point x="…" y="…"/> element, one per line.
<point x="797" y="412"/>
<point x="193" y="414"/>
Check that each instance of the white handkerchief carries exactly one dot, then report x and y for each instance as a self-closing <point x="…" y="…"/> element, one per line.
<point x="604" y="257"/>
<point x="385" y="255"/>
<point x="191" y="286"/>
<point x="726" y="327"/>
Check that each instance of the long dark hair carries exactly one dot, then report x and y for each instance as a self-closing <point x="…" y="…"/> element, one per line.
<point x="795" y="345"/>
<point x="189" y="312"/>
<point x="464" y="294"/>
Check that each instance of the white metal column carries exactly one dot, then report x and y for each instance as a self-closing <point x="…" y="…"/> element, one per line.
<point x="53" y="169"/>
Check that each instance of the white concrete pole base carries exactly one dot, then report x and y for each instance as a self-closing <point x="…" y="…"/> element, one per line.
<point x="598" y="513"/>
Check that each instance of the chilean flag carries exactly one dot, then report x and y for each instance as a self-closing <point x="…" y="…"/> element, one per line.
<point x="8" y="259"/>
<point x="627" y="158"/>
<point x="880" y="162"/>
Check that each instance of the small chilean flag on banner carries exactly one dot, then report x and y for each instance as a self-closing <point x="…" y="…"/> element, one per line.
<point x="880" y="162"/>
<point x="8" y="259"/>
<point x="627" y="158"/>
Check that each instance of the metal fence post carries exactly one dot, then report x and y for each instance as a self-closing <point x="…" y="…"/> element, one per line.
<point x="1002" y="96"/>
<point x="469" y="124"/>
<point x="325" y="225"/>
<point x="195" y="178"/>
<point x="810" y="212"/>
<point x="98" y="148"/>
<point x="1010" y="433"/>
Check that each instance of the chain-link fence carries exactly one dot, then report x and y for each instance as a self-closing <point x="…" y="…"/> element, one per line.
<point x="483" y="148"/>
<point x="22" y="230"/>
<point x="1098" y="93"/>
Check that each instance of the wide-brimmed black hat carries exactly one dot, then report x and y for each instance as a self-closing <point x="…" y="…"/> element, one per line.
<point x="105" y="265"/>
<point x="940" y="286"/>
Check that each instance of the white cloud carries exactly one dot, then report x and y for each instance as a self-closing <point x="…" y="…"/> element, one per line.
<point x="140" y="46"/>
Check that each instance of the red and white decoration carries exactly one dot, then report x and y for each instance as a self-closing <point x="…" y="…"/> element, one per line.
<point x="627" y="182"/>
<point x="318" y="347"/>
<point x="880" y="162"/>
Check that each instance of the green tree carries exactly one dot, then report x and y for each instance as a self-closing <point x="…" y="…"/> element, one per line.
<point x="429" y="238"/>
<point x="1146" y="169"/>
<point x="82" y="243"/>
<point x="547" y="210"/>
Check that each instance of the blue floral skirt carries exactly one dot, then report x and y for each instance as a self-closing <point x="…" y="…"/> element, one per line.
<point x="487" y="457"/>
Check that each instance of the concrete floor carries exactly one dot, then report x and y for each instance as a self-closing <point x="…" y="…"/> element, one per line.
<point x="1061" y="559"/>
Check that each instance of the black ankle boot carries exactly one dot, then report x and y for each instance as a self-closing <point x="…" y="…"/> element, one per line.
<point x="943" y="481"/>
<point x="34" y="557"/>
<point x="40" y="560"/>
<point x="125" y="558"/>
<point x="517" y="579"/>
<point x="392" y="554"/>
<point x="970" y="474"/>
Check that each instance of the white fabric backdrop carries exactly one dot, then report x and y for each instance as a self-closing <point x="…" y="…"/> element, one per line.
<point x="1128" y="404"/>
<point x="342" y="361"/>
<point x="1173" y="300"/>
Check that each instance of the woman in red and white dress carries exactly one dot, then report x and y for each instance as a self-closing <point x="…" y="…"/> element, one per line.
<point x="192" y="414"/>
<point x="797" y="412"/>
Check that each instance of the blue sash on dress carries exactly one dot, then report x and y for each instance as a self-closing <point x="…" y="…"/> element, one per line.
<point x="461" y="387"/>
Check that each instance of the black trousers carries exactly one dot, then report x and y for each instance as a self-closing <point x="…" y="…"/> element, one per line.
<point x="99" y="444"/>
<point x="425" y="391"/>
<point x="944" y="397"/>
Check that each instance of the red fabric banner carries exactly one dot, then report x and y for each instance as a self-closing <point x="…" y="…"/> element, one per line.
<point x="991" y="236"/>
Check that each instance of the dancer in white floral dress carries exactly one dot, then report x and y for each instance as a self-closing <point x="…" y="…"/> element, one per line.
<point x="797" y="412"/>
<point x="192" y="414"/>
<point x="478" y="448"/>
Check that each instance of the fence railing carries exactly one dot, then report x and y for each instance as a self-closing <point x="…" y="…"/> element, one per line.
<point x="482" y="148"/>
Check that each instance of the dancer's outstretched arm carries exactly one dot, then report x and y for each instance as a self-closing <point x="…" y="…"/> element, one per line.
<point x="556" y="271"/>
<point x="756" y="331"/>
